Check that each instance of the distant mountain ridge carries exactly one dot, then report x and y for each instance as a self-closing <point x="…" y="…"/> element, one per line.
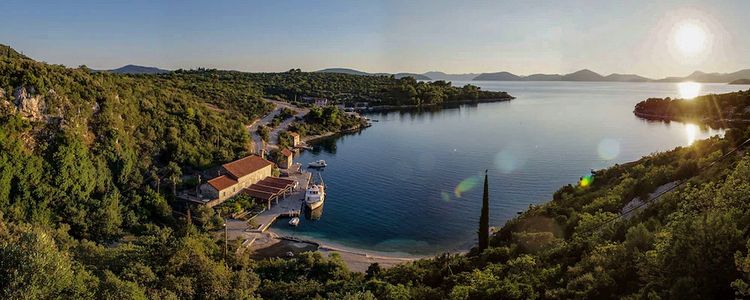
<point x="588" y="75"/>
<point x="436" y="75"/>
<point x="582" y="75"/>
<point x="135" y="69"/>
<point x="361" y="73"/>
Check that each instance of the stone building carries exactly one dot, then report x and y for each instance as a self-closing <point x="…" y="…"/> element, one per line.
<point x="235" y="176"/>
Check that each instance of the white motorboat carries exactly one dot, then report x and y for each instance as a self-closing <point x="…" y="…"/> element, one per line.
<point x="315" y="195"/>
<point x="294" y="221"/>
<point x="317" y="164"/>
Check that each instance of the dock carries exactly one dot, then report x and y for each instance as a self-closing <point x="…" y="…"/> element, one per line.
<point x="287" y="207"/>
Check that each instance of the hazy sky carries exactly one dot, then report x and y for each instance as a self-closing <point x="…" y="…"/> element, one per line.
<point x="522" y="37"/>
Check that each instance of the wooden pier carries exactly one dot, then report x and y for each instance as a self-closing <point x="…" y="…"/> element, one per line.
<point x="290" y="214"/>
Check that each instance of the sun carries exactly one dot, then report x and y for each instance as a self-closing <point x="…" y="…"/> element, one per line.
<point x="690" y="39"/>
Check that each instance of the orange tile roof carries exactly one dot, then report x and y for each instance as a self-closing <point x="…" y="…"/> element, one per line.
<point x="247" y="165"/>
<point x="258" y="194"/>
<point x="222" y="182"/>
<point x="280" y="180"/>
<point x="286" y="152"/>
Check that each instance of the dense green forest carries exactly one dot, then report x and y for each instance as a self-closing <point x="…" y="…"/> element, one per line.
<point x="345" y="88"/>
<point x="81" y="215"/>
<point x="709" y="108"/>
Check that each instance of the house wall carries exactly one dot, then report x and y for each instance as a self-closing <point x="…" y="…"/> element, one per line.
<point x="207" y="191"/>
<point x="254" y="177"/>
<point x="220" y="196"/>
<point x="286" y="162"/>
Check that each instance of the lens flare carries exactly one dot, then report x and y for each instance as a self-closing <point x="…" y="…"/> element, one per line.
<point x="586" y="180"/>
<point x="511" y="158"/>
<point x="466" y="185"/>
<point x="608" y="149"/>
<point x="446" y="196"/>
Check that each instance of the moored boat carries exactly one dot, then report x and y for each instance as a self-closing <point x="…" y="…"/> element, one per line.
<point x="315" y="195"/>
<point x="317" y="164"/>
<point x="294" y="221"/>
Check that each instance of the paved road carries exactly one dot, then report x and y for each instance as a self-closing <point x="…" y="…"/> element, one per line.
<point x="274" y="136"/>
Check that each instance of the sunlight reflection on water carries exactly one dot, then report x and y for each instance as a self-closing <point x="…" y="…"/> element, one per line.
<point x="689" y="90"/>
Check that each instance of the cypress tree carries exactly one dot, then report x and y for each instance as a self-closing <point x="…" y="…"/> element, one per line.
<point x="484" y="219"/>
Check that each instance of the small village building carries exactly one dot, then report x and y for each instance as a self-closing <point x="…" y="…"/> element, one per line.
<point x="234" y="177"/>
<point x="296" y="142"/>
<point x="316" y="101"/>
<point x="286" y="159"/>
<point x="250" y="176"/>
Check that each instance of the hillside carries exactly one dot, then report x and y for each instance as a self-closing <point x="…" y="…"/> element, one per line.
<point x="88" y="161"/>
<point x="412" y="75"/>
<point x="347" y="89"/>
<point x="10" y="53"/>
<point x="740" y="81"/>
<point x="722" y="108"/>
<point x="361" y="73"/>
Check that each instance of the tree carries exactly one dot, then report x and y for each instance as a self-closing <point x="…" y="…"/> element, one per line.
<point x="175" y="173"/>
<point x="155" y="177"/>
<point x="33" y="267"/>
<point x="484" y="219"/>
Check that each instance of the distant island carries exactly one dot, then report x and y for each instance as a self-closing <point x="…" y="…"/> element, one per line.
<point x="135" y="69"/>
<point x="584" y="75"/>
<point x="357" y="72"/>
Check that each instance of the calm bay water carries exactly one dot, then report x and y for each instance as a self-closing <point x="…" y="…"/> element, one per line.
<point x="412" y="182"/>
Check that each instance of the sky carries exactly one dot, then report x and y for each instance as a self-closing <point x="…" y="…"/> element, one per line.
<point x="522" y="37"/>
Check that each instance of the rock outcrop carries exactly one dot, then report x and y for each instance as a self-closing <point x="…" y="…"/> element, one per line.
<point x="28" y="105"/>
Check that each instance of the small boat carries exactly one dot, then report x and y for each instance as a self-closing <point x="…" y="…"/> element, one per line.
<point x="317" y="164"/>
<point x="315" y="195"/>
<point x="294" y="221"/>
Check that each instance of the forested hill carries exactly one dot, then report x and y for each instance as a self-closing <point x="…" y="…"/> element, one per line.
<point x="79" y="147"/>
<point x="83" y="215"/>
<point x="10" y="53"/>
<point x="347" y="88"/>
<point x="714" y="108"/>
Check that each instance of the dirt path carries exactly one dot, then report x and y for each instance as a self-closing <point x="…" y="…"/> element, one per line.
<point x="274" y="136"/>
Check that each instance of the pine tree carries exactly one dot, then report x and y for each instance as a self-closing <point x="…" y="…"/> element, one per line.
<point x="484" y="219"/>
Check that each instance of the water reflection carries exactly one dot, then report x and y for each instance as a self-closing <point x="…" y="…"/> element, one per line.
<point x="314" y="214"/>
<point x="689" y="90"/>
<point x="327" y="145"/>
<point x="692" y="133"/>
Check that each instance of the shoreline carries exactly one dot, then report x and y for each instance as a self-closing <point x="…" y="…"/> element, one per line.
<point x="382" y="108"/>
<point x="313" y="138"/>
<point x="356" y="259"/>
<point x="670" y="118"/>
